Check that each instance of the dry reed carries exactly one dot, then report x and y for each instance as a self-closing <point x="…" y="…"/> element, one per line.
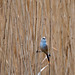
<point x="23" y="23"/>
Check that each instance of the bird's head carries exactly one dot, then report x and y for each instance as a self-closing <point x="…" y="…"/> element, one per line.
<point x="43" y="39"/>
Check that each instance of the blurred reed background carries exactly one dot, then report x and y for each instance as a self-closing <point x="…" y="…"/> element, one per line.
<point x="23" y="23"/>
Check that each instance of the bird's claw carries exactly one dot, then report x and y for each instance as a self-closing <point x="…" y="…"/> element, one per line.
<point x="37" y="51"/>
<point x="49" y="55"/>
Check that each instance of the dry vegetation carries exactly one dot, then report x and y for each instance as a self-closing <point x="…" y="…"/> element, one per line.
<point x="23" y="23"/>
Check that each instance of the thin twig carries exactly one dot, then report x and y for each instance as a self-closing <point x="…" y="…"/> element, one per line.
<point x="50" y="32"/>
<point x="42" y="70"/>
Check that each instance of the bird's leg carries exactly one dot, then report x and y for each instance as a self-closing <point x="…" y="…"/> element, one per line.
<point x="38" y="51"/>
<point x="49" y="55"/>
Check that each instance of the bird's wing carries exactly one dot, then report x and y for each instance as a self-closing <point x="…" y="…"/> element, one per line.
<point x="45" y="49"/>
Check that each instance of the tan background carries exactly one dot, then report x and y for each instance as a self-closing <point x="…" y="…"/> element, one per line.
<point x="23" y="23"/>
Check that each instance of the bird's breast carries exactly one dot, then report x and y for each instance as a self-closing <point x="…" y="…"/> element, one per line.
<point x="42" y="46"/>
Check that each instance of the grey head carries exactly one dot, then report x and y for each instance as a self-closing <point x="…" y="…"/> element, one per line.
<point x="43" y="42"/>
<point x="43" y="39"/>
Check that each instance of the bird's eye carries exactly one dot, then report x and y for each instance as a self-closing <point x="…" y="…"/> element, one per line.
<point x="43" y="37"/>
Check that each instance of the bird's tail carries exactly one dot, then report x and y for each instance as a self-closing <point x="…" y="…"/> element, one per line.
<point x="48" y="58"/>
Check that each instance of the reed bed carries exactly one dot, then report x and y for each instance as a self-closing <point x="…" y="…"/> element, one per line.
<point x="23" y="23"/>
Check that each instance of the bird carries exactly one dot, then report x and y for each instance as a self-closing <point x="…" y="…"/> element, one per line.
<point x="44" y="47"/>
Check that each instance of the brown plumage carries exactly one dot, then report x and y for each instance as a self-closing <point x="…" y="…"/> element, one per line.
<point x="45" y="50"/>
